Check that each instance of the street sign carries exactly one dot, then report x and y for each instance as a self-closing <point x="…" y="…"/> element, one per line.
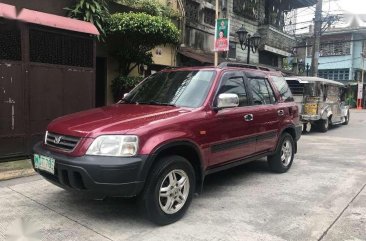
<point x="222" y="34"/>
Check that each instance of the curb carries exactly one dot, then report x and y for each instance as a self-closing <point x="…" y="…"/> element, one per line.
<point x="6" y="175"/>
<point x="16" y="169"/>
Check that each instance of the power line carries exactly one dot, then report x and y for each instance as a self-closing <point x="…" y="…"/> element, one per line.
<point x="329" y="43"/>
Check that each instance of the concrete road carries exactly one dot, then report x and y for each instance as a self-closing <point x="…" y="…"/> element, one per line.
<point x="322" y="197"/>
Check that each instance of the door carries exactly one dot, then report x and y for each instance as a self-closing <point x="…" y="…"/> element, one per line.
<point x="12" y="110"/>
<point x="232" y="129"/>
<point x="267" y="113"/>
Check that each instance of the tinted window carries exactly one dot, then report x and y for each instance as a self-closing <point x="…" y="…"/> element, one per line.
<point x="283" y="88"/>
<point x="261" y="91"/>
<point x="180" y="88"/>
<point x="234" y="85"/>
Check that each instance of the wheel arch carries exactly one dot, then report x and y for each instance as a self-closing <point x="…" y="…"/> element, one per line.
<point x="292" y="131"/>
<point x="186" y="149"/>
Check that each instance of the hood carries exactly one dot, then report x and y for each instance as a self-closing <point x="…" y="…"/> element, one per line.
<point x="116" y="119"/>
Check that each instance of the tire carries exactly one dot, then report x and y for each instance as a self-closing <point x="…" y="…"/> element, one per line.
<point x="347" y="119"/>
<point x="163" y="188"/>
<point x="323" y="125"/>
<point x="282" y="160"/>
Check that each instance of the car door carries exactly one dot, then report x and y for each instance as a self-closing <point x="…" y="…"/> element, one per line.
<point x="232" y="129"/>
<point x="267" y="113"/>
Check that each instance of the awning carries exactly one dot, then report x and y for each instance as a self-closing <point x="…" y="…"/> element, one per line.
<point x="193" y="54"/>
<point x="55" y="21"/>
<point x="276" y="51"/>
<point x="8" y="11"/>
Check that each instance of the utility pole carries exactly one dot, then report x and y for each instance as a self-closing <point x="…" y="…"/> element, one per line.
<point x="216" y="61"/>
<point x="317" y="32"/>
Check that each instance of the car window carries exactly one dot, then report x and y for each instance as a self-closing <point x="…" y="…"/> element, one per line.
<point x="261" y="91"/>
<point x="283" y="88"/>
<point x="234" y="85"/>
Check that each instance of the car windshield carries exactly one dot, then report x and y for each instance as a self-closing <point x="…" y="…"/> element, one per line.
<point x="176" y="88"/>
<point x="313" y="89"/>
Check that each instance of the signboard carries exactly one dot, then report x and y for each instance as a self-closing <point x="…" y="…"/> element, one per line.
<point x="359" y="91"/>
<point x="222" y="33"/>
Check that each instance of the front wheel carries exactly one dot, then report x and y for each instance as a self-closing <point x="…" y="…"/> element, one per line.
<point x="323" y="125"/>
<point x="169" y="190"/>
<point x="282" y="160"/>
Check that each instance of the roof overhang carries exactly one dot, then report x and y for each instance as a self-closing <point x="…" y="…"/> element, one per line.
<point x="46" y="19"/>
<point x="55" y="21"/>
<point x="200" y="57"/>
<point x="8" y="11"/>
<point x="276" y="51"/>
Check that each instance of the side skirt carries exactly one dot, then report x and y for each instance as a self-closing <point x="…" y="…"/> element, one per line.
<point x="237" y="163"/>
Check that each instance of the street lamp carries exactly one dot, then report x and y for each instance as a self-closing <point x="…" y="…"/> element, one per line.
<point x="252" y="42"/>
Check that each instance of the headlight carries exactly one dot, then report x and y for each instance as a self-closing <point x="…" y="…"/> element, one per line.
<point x="114" y="145"/>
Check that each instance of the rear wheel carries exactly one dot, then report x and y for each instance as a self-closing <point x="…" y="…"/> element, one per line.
<point x="323" y="125"/>
<point x="282" y="160"/>
<point x="169" y="190"/>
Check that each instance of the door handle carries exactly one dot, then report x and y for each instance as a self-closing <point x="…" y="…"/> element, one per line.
<point x="280" y="112"/>
<point x="248" y="117"/>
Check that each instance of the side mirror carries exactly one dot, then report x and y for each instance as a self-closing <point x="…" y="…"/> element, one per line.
<point x="227" y="100"/>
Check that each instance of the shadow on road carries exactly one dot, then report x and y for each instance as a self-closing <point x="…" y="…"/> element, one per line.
<point x="87" y="208"/>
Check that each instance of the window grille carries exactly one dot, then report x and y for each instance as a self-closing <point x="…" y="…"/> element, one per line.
<point x="209" y="17"/>
<point x="10" y="44"/>
<point x="335" y="48"/>
<point x="60" y="49"/>
<point x="334" y="74"/>
<point x="246" y="8"/>
<point x="192" y="9"/>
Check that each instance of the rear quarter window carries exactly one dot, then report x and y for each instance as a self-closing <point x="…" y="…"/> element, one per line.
<point x="282" y="88"/>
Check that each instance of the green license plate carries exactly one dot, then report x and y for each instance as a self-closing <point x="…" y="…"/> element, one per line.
<point x="44" y="163"/>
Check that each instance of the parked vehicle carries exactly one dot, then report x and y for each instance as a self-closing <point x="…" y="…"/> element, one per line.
<point x="177" y="126"/>
<point x="321" y="101"/>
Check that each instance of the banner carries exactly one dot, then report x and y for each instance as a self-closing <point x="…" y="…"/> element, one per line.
<point x="359" y="91"/>
<point x="222" y="33"/>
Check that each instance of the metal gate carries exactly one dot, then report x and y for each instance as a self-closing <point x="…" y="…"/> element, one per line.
<point x="44" y="74"/>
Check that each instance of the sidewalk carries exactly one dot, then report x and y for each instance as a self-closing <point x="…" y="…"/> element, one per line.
<point x="15" y="169"/>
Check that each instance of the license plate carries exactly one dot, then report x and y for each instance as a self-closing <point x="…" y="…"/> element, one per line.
<point x="44" y="163"/>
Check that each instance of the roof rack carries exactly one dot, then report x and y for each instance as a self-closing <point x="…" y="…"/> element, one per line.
<point x="242" y="65"/>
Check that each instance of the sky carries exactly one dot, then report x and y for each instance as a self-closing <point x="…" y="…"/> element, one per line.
<point x="353" y="6"/>
<point x="305" y="15"/>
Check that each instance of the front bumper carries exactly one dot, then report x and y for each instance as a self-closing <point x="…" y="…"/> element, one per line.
<point x="109" y="176"/>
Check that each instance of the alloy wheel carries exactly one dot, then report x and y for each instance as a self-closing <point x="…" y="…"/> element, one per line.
<point x="286" y="153"/>
<point x="174" y="191"/>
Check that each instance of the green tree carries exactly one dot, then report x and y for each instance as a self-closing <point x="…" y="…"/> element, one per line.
<point x="151" y="7"/>
<point x="131" y="36"/>
<point x="94" y="11"/>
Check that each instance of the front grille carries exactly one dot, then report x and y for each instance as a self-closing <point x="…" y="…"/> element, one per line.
<point x="67" y="143"/>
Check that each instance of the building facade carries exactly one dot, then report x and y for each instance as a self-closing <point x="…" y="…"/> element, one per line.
<point x="263" y="16"/>
<point x="339" y="54"/>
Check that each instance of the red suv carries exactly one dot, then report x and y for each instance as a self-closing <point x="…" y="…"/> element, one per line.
<point x="177" y="126"/>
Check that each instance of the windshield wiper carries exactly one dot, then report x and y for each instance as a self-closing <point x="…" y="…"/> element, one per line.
<point x="125" y="101"/>
<point x="153" y="102"/>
